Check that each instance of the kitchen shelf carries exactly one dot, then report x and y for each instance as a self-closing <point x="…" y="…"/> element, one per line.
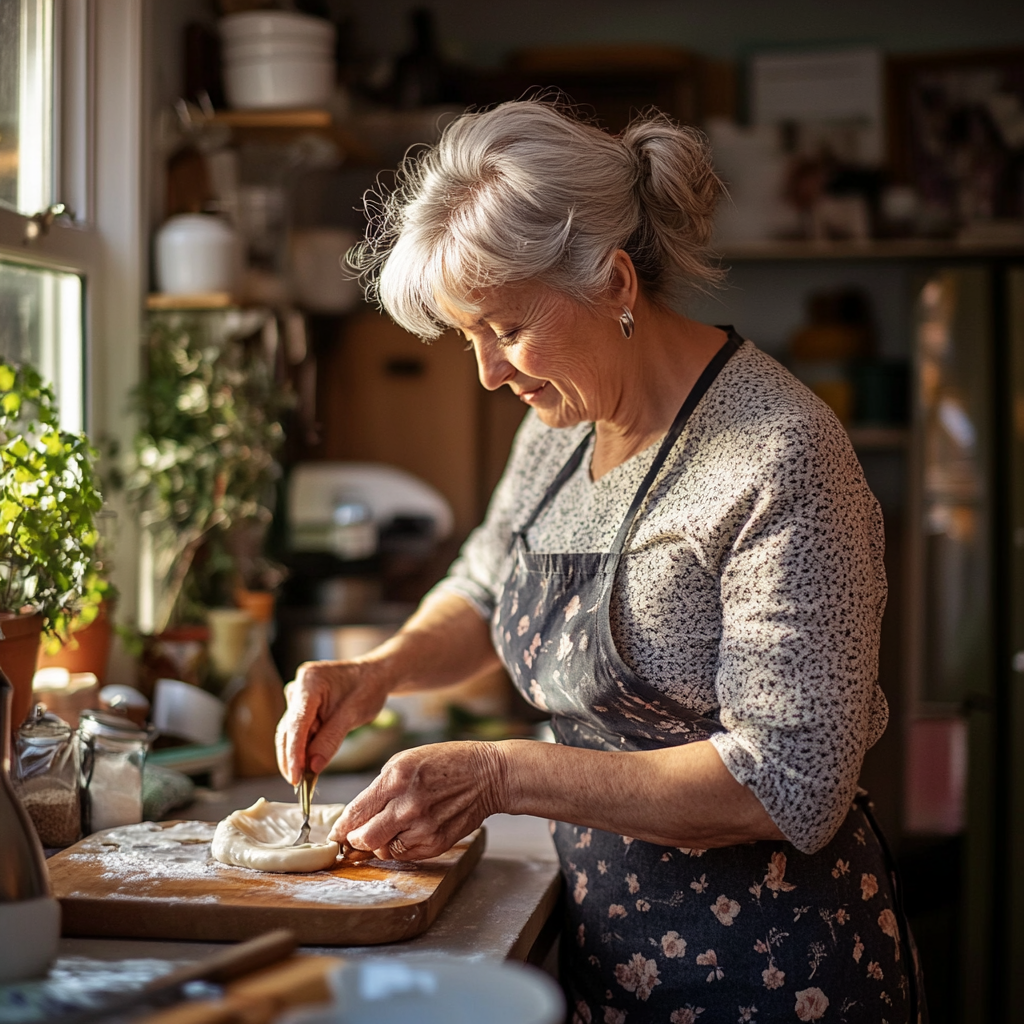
<point x="284" y="125"/>
<point x="874" y="249"/>
<point x="270" y="119"/>
<point x="197" y="300"/>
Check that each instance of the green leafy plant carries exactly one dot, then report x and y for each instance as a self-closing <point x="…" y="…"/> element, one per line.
<point x="49" y="498"/>
<point x="203" y="464"/>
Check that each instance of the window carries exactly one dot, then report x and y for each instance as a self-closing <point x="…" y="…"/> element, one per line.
<point x="26" y="104"/>
<point x="45" y="262"/>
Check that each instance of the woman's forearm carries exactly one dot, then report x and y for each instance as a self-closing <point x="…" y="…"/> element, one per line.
<point x="443" y="642"/>
<point x="679" y="796"/>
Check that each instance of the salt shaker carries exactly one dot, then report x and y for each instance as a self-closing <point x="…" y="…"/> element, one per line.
<point x="113" y="755"/>
<point x="45" y="773"/>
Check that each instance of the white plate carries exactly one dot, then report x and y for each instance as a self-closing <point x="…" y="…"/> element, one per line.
<point x="449" y="990"/>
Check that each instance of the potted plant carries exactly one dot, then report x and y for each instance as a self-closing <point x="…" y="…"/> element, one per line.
<point x="49" y="498"/>
<point x="203" y="467"/>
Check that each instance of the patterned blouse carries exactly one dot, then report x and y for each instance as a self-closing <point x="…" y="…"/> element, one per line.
<point x="752" y="587"/>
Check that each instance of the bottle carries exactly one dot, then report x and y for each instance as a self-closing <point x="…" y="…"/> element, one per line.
<point x="29" y="915"/>
<point x="256" y="708"/>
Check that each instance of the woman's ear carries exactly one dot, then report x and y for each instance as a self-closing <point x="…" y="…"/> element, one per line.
<point x="624" y="287"/>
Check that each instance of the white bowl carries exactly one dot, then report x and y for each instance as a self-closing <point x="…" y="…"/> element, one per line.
<point x="275" y="25"/>
<point x="271" y="49"/>
<point x="183" y="710"/>
<point x="448" y="990"/>
<point x="279" y="83"/>
<point x="196" y="252"/>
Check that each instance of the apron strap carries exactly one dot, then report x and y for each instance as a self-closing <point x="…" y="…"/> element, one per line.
<point x="697" y="392"/>
<point x="557" y="484"/>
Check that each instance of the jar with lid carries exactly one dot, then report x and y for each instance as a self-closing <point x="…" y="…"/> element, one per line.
<point x="113" y="755"/>
<point x="46" y="775"/>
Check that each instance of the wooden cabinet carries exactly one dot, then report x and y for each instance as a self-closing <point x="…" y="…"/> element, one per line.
<point x="385" y="396"/>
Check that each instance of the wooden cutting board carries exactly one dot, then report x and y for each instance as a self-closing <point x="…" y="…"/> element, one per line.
<point x="157" y="881"/>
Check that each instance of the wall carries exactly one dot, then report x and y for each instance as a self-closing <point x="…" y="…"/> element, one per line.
<point x="482" y="33"/>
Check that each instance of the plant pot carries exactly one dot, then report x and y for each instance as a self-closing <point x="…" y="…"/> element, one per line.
<point x="18" y="651"/>
<point x="89" y="649"/>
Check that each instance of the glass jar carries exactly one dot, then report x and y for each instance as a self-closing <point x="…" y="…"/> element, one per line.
<point x="113" y="756"/>
<point x="46" y="776"/>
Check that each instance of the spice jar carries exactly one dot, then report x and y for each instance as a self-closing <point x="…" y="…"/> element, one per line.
<point x="45" y="776"/>
<point x="113" y="755"/>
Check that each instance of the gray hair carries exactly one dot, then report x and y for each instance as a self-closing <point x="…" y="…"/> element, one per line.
<point x="530" y="191"/>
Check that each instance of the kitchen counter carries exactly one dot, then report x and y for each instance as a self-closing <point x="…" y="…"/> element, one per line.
<point x="503" y="910"/>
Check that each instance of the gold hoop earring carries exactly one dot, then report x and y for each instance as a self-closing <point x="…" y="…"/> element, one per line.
<point x="626" y="322"/>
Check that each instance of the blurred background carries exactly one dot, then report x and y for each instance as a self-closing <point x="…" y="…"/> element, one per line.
<point x="874" y="238"/>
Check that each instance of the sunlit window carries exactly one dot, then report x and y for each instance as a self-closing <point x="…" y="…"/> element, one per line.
<point x="26" y="104"/>
<point x="41" y="300"/>
<point x="41" y="324"/>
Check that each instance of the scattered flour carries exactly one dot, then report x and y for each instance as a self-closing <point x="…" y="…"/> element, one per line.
<point x="140" y="856"/>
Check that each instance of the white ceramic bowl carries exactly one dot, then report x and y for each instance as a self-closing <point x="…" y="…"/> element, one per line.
<point x="275" y="25"/>
<point x="450" y="990"/>
<point x="196" y="252"/>
<point x="183" y="710"/>
<point x="271" y="49"/>
<point x="274" y="83"/>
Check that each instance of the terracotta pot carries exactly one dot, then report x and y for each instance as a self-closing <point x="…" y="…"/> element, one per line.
<point x="18" y="652"/>
<point x="92" y="651"/>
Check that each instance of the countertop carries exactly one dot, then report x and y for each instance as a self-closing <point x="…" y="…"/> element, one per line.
<point x="503" y="910"/>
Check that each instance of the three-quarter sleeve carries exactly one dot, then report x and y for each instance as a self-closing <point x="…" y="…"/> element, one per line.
<point x="802" y="594"/>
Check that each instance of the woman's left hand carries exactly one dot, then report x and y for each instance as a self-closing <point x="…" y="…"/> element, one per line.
<point x="425" y="800"/>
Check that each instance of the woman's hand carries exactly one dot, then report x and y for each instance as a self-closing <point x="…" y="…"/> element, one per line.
<point x="425" y="800"/>
<point x="326" y="701"/>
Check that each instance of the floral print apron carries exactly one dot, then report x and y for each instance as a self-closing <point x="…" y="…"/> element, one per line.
<point x="758" y="932"/>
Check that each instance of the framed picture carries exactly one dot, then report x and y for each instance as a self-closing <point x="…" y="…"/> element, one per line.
<point x="956" y="133"/>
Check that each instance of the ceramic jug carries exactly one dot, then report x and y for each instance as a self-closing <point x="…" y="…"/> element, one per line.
<point x="29" y="915"/>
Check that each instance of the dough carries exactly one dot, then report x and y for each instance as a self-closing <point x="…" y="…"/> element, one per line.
<point x="260" y="837"/>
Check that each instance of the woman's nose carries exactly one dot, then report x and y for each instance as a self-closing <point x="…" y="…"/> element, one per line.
<point x="492" y="368"/>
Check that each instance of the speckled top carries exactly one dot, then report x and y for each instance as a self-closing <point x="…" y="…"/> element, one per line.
<point x="752" y="586"/>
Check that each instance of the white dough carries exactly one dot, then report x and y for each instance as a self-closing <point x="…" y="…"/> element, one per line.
<point x="261" y="837"/>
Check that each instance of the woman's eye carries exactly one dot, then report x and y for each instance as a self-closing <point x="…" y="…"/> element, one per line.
<point x="507" y="339"/>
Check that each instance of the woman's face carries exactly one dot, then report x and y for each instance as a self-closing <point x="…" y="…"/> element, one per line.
<point x="555" y="354"/>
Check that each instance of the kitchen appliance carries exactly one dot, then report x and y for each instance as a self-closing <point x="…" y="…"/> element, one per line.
<point x="317" y="490"/>
<point x="347" y="524"/>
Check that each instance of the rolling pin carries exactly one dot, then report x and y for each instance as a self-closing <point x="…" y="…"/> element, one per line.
<point x="258" y="998"/>
<point x="219" y="969"/>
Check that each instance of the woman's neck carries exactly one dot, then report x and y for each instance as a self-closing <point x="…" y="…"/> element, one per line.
<point x="667" y="356"/>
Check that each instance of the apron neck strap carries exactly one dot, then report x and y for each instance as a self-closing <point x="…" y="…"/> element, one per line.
<point x="697" y="392"/>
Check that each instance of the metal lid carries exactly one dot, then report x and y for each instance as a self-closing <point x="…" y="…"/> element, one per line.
<point x="114" y="726"/>
<point x="44" y="726"/>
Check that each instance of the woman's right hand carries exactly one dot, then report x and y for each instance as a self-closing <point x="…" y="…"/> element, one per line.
<point x="326" y="701"/>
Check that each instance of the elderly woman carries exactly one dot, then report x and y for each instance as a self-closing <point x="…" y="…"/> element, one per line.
<point x="682" y="564"/>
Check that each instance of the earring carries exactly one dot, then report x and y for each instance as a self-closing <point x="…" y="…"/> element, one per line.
<point x="626" y="322"/>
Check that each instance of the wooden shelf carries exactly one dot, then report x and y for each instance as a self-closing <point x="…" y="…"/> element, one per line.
<point x="198" y="300"/>
<point x="879" y="438"/>
<point x="270" y="119"/>
<point x="875" y="249"/>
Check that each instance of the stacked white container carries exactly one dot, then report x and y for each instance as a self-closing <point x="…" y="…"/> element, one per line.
<point x="277" y="59"/>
